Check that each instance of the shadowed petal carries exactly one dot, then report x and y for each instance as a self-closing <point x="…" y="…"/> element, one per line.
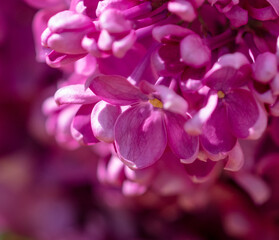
<point x="216" y="134"/>
<point x="242" y="112"/>
<point x="183" y="145"/>
<point x="201" y="171"/>
<point x="140" y="136"/>
<point x="235" y="159"/>
<point x="116" y="90"/>
<point x="81" y="126"/>
<point x="258" y="190"/>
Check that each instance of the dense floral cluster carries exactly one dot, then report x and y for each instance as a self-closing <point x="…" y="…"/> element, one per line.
<point x="172" y="105"/>
<point x="177" y="87"/>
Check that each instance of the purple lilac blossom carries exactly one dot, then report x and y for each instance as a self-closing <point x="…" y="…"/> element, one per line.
<point x="171" y="105"/>
<point x="186" y="93"/>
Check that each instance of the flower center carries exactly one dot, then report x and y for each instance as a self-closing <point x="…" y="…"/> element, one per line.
<point x="156" y="103"/>
<point x="220" y="94"/>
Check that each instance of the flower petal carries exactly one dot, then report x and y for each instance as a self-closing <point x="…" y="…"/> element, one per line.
<point x="216" y="133"/>
<point x="194" y="125"/>
<point x="242" y="112"/>
<point x="265" y="67"/>
<point x="201" y="171"/>
<point x="230" y="71"/>
<point x="103" y="118"/>
<point x="183" y="145"/>
<point x="235" y="159"/>
<point x="172" y="101"/>
<point x="140" y="136"/>
<point x="75" y="94"/>
<point x="194" y="52"/>
<point x="81" y="126"/>
<point x="116" y="90"/>
<point x="258" y="190"/>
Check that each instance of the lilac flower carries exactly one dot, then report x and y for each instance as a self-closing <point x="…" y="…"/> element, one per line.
<point x="225" y="118"/>
<point x="179" y="48"/>
<point x="154" y="119"/>
<point x="266" y="79"/>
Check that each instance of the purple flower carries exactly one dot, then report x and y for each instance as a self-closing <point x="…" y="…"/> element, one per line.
<point x="179" y="48"/>
<point x="65" y="32"/>
<point x="153" y="120"/>
<point x="225" y="118"/>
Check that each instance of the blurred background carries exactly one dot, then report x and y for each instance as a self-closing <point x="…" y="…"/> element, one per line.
<point x="48" y="192"/>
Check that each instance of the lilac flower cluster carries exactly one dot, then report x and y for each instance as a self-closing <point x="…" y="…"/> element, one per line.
<point x="168" y="92"/>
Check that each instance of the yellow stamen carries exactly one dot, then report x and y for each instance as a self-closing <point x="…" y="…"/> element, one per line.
<point x="221" y="94"/>
<point x="156" y="103"/>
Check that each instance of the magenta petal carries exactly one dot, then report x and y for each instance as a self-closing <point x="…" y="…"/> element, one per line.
<point x="116" y="90"/>
<point x="200" y="171"/>
<point x="81" y="126"/>
<point x="242" y="112"/>
<point x="256" y="187"/>
<point x="216" y="134"/>
<point x="183" y="145"/>
<point x="226" y="78"/>
<point x="140" y="136"/>
<point x="58" y="60"/>
<point x="275" y="5"/>
<point x="75" y="94"/>
<point x="103" y="118"/>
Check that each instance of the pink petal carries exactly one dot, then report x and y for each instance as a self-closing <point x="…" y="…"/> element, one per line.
<point x="81" y="126"/>
<point x="63" y="126"/>
<point x="140" y="136"/>
<point x="58" y="60"/>
<point x="194" y="125"/>
<point x="103" y="118"/>
<point x="225" y="78"/>
<point x="275" y="5"/>
<point x="242" y="112"/>
<point x="75" y="94"/>
<point x="142" y="176"/>
<point x="69" y="20"/>
<point x="66" y="42"/>
<point x="194" y="52"/>
<point x="160" y="33"/>
<point x="183" y="9"/>
<point x="258" y="129"/>
<point x="171" y="100"/>
<point x="115" y="171"/>
<point x="183" y="146"/>
<point x="262" y="14"/>
<point x="86" y="66"/>
<point x="265" y="67"/>
<point x="105" y="41"/>
<point x="235" y="159"/>
<point x="120" y="47"/>
<point x="216" y="133"/>
<point x="238" y="16"/>
<point x="133" y="189"/>
<point x="114" y="21"/>
<point x="116" y="90"/>
<point x="274" y="109"/>
<point x="254" y="185"/>
<point x="201" y="171"/>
